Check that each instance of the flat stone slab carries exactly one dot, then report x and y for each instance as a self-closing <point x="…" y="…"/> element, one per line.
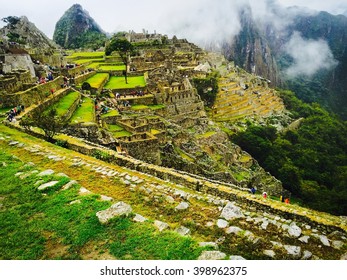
<point x="69" y="185"/>
<point x="269" y="253"/>
<point x="117" y="209"/>
<point x="183" y="231"/>
<point x="237" y="258"/>
<point x="160" y="225"/>
<point x="139" y="219"/>
<point x="105" y="198"/>
<point x="231" y="211"/>
<point x="46" y="173"/>
<point x="84" y="191"/>
<point x="212" y="255"/>
<point x="47" y="185"/>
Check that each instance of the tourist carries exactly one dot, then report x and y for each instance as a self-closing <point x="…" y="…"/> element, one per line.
<point x="253" y="190"/>
<point x="286" y="201"/>
<point x="264" y="195"/>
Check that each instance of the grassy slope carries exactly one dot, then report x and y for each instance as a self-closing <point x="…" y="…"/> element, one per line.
<point x="37" y="226"/>
<point x="96" y="80"/>
<point x="68" y="231"/>
<point x="65" y="103"/>
<point x="84" y="113"/>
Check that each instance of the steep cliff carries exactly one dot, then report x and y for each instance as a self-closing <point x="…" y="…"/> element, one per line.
<point x="76" y="29"/>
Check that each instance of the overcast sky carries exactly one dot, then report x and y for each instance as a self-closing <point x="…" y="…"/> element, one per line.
<point x="163" y="16"/>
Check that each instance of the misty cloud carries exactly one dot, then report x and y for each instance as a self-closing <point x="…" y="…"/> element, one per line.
<point x="204" y="21"/>
<point x="309" y="56"/>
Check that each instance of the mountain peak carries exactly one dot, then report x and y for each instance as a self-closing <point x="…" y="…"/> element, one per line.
<point x="76" y="28"/>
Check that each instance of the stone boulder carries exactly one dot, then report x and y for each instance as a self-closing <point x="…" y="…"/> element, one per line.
<point x="212" y="255"/>
<point x="183" y="231"/>
<point x="160" y="225"/>
<point x="182" y="206"/>
<point x="294" y="230"/>
<point x="117" y="209"/>
<point x="222" y="223"/>
<point x="294" y="251"/>
<point x="231" y="211"/>
<point x="46" y="173"/>
<point x="139" y="219"/>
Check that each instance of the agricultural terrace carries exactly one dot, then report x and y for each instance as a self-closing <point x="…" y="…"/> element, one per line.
<point x="66" y="102"/>
<point x="112" y="67"/>
<point x="85" y="112"/>
<point x="117" y="82"/>
<point x="98" y="79"/>
<point x="118" y="131"/>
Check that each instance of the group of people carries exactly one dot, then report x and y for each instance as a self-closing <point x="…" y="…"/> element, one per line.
<point x="46" y="79"/>
<point x="14" y="112"/>
<point x="132" y="93"/>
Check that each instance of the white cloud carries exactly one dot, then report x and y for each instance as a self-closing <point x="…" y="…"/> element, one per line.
<point x="309" y="56"/>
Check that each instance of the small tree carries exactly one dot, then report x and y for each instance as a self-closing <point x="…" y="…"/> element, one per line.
<point x="48" y="121"/>
<point x="124" y="48"/>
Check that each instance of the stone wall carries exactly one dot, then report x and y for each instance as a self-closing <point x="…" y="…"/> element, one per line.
<point x="81" y="78"/>
<point x="31" y="96"/>
<point x="50" y="101"/>
<point x="17" y="61"/>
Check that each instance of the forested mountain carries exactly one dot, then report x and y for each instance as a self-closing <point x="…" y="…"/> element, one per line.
<point x="307" y="53"/>
<point x="76" y="29"/>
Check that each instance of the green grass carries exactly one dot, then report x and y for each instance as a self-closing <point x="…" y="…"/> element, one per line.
<point x="122" y="133"/>
<point x="112" y="67"/>
<point x="111" y="113"/>
<point x="86" y="54"/>
<point x="156" y="107"/>
<point x="114" y="128"/>
<point x="65" y="103"/>
<point x="119" y="83"/>
<point x="87" y="60"/>
<point x="139" y="107"/>
<point x="36" y="226"/>
<point x="97" y="80"/>
<point x="84" y="113"/>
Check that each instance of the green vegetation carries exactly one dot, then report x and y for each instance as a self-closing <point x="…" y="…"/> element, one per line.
<point x="98" y="79"/>
<point x="86" y="55"/>
<point x="111" y="113"/>
<point x="112" y="67"/>
<point x="114" y="128"/>
<point x="119" y="83"/>
<point x="207" y="88"/>
<point x="84" y="113"/>
<point x="311" y="162"/>
<point x="76" y="29"/>
<point x="65" y="103"/>
<point x="36" y="226"/>
<point x="122" y="133"/>
<point x="124" y="48"/>
<point x="47" y="120"/>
